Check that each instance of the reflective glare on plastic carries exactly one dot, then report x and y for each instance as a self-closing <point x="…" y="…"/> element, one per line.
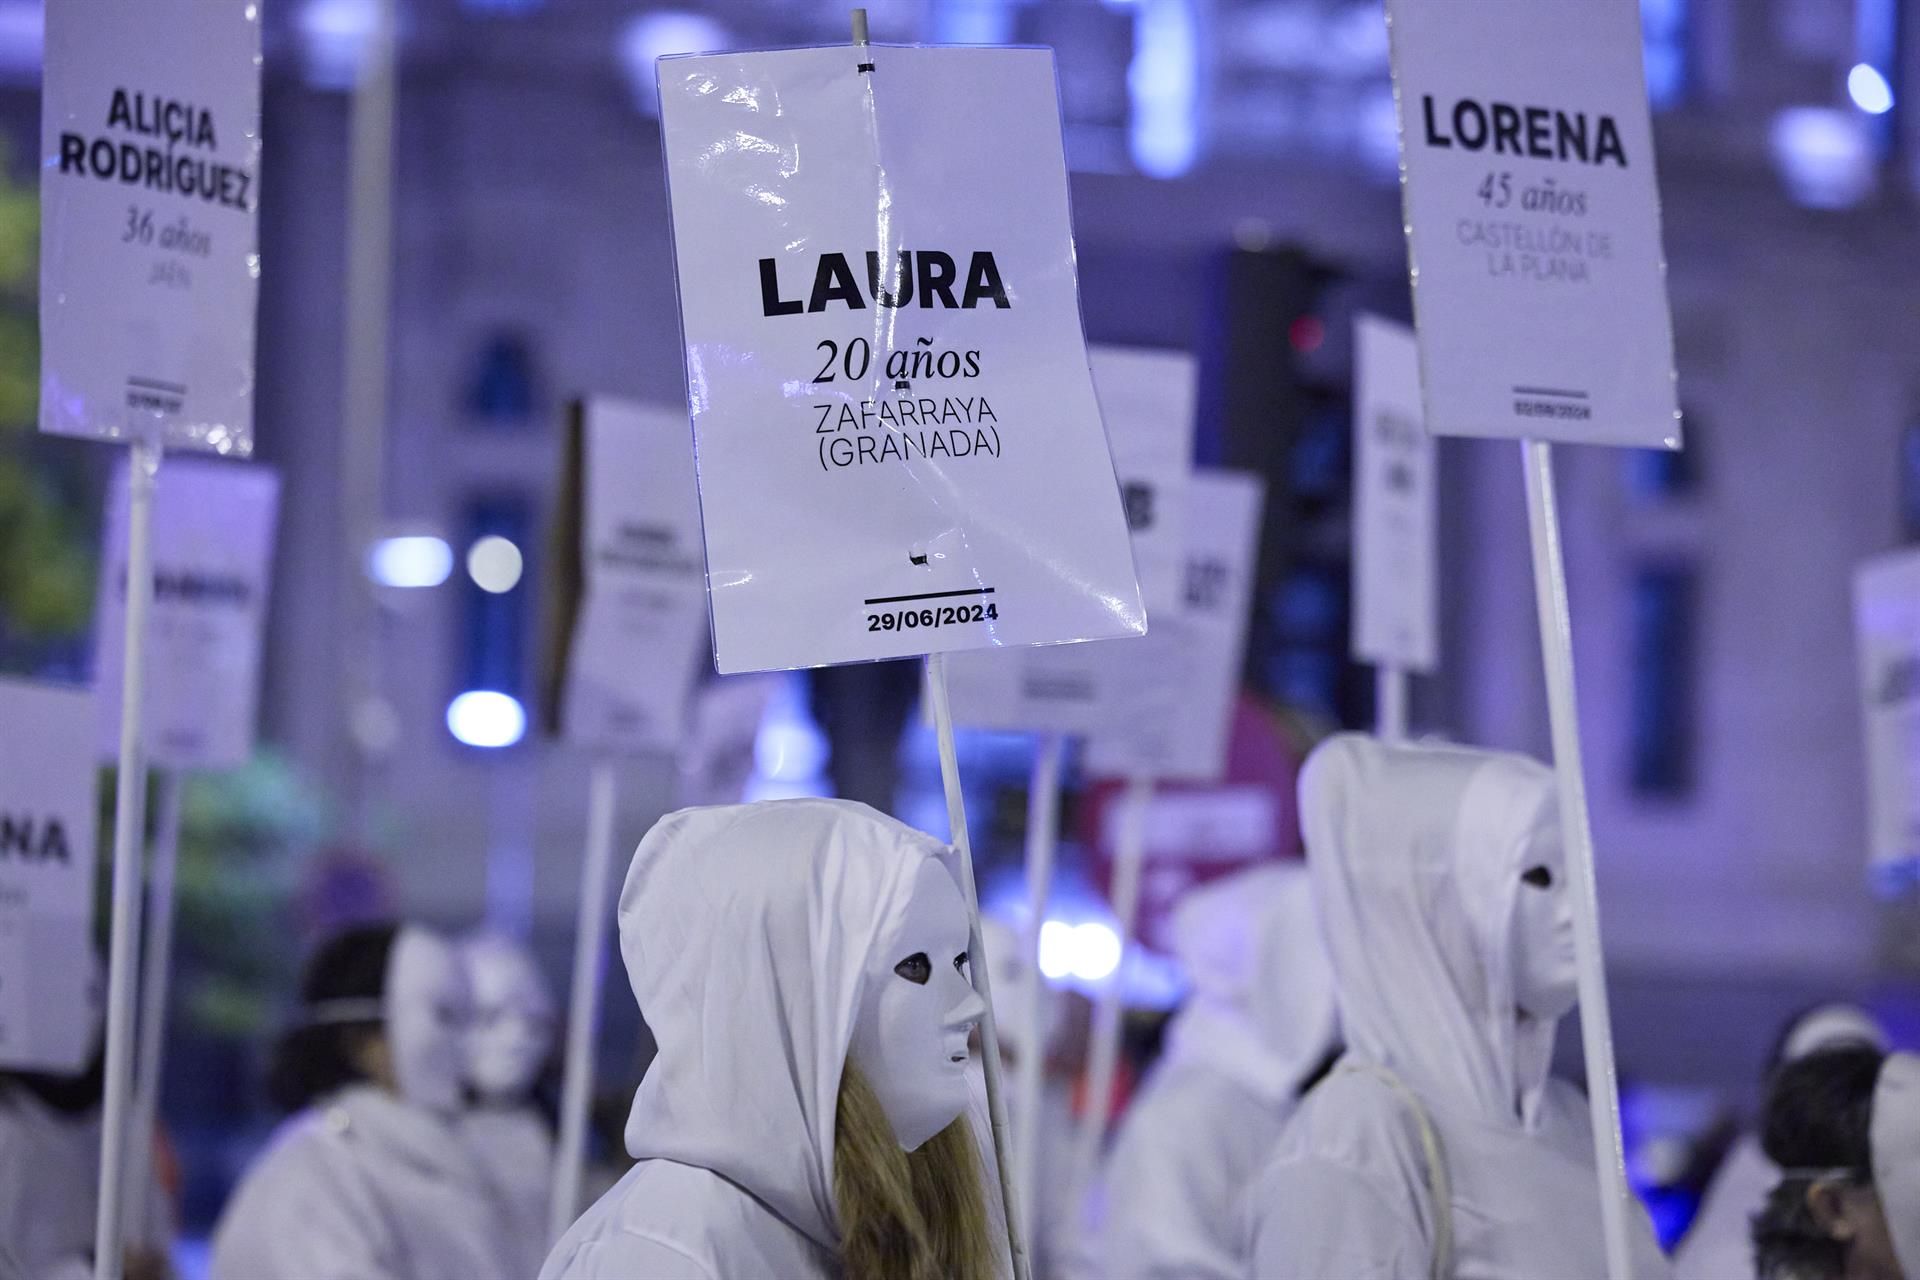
<point x="644" y="583"/>
<point x="899" y="447"/>
<point x="213" y="526"/>
<point x="1533" y="221"/>
<point x="47" y="807"/>
<point x="149" y="256"/>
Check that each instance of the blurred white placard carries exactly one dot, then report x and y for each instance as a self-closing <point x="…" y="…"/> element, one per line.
<point x="1533" y="221"/>
<point x="641" y="631"/>
<point x="213" y="525"/>
<point x="1886" y="599"/>
<point x="1395" y="512"/>
<point x="900" y="451"/>
<point x="149" y="251"/>
<point x="1147" y="401"/>
<point x="1168" y="708"/>
<point x="47" y="858"/>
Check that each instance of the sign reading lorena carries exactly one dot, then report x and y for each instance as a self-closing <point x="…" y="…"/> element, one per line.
<point x="898" y="443"/>
<point x="1533" y="221"/>
<point x="47" y="860"/>
<point x="149" y="262"/>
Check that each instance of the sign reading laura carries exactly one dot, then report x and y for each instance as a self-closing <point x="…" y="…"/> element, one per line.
<point x="47" y="860"/>
<point x="898" y="443"/>
<point x="1533" y="221"/>
<point x="149" y="262"/>
<point x="213" y="526"/>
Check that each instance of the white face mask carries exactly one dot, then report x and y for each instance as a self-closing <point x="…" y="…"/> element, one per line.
<point x="513" y="1024"/>
<point x="428" y="1008"/>
<point x="910" y="1041"/>
<point x="1895" y="1143"/>
<point x="1545" y="974"/>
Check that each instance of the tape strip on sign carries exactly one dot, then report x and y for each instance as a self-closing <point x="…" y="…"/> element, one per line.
<point x="1533" y="221"/>
<point x="1886" y="598"/>
<point x="1395" y="512"/>
<point x="634" y="598"/>
<point x="1170" y="713"/>
<point x="47" y="858"/>
<point x="899" y="447"/>
<point x="149" y="262"/>
<point x="213" y="534"/>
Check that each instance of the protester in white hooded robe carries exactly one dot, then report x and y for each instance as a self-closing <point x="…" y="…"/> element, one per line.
<point x="1842" y="1124"/>
<point x="1258" y="1025"/>
<point x="508" y="1047"/>
<point x="50" y="1171"/>
<point x="1719" y="1244"/>
<point x="370" y="1180"/>
<point x="774" y="949"/>
<point x="1439" y="879"/>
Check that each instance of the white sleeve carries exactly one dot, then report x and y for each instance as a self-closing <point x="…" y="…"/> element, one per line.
<point x="1313" y="1219"/>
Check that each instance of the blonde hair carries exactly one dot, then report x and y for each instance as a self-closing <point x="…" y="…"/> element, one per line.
<point x="906" y="1215"/>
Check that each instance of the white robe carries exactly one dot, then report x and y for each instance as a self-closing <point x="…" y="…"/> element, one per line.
<point x="1416" y="855"/>
<point x="1719" y="1245"/>
<point x="364" y="1186"/>
<point x="746" y="932"/>
<point x="1259" y="1021"/>
<point x="50" y="1191"/>
<point x="514" y="1147"/>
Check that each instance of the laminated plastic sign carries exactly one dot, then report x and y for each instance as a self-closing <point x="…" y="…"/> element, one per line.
<point x="149" y="262"/>
<point x="900" y="451"/>
<point x="1886" y="597"/>
<point x="1169" y="715"/>
<point x="1147" y="400"/>
<point x="1533" y="221"/>
<point x="1395" y="513"/>
<point x="213" y="525"/>
<point x="637" y="607"/>
<point x="47" y="860"/>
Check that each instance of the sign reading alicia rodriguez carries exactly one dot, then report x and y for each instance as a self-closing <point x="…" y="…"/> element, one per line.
<point x="150" y="148"/>
<point x="898" y="444"/>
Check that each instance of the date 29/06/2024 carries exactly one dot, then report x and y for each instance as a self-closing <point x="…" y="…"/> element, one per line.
<point x="946" y="615"/>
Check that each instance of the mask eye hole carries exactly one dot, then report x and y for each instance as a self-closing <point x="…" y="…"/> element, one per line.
<point x="916" y="968"/>
<point x="1538" y="877"/>
<point x="960" y="963"/>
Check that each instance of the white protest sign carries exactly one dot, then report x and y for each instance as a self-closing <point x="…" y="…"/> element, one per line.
<point x="1886" y="600"/>
<point x="1147" y="402"/>
<point x="1395" y="512"/>
<point x="149" y="262"/>
<point x="1168" y="712"/>
<point x="899" y="446"/>
<point x="1533" y="221"/>
<point x="47" y="859"/>
<point x="642" y="628"/>
<point x="213" y="525"/>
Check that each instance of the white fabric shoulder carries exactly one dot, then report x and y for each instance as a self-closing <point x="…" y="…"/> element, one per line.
<point x="299" y="1200"/>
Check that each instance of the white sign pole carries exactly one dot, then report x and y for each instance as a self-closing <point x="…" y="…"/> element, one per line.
<point x="129" y="822"/>
<point x="982" y="982"/>
<point x="1043" y="822"/>
<point x="589" y="938"/>
<point x="155" y="982"/>
<point x="1129" y="860"/>
<point x="1596" y="1024"/>
<point x="1390" y="701"/>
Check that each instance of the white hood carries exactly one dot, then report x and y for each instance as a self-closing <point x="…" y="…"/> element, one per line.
<point x="1416" y="855"/>
<point x="1262" y="1008"/>
<point x="746" y="931"/>
<point x="1895" y="1143"/>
